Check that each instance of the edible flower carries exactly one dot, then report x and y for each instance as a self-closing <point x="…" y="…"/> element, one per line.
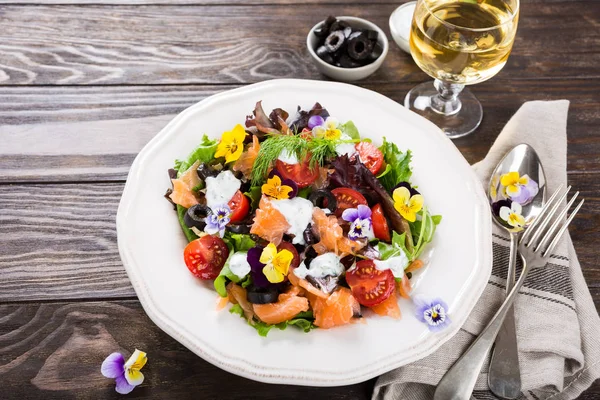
<point x="328" y="129"/>
<point x="406" y="204"/>
<point x="231" y="145"/>
<point x="127" y="375"/>
<point x="521" y="189"/>
<point x="277" y="263"/>
<point x="360" y="219"/>
<point x="218" y="219"/>
<point x="279" y="188"/>
<point x="512" y="215"/>
<point x="434" y="313"/>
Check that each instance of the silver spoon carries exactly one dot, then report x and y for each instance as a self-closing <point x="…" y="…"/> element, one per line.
<point x="504" y="378"/>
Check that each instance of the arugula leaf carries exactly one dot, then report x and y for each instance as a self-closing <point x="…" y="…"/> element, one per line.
<point x="399" y="164"/>
<point x="186" y="231"/>
<point x="254" y="193"/>
<point x="350" y="129"/>
<point x="205" y="152"/>
<point x="391" y="250"/>
<point x="303" y="321"/>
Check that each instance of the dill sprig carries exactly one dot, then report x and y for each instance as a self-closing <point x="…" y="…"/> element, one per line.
<point x="321" y="150"/>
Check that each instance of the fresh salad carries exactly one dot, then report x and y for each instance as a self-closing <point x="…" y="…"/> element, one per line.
<point x="299" y="221"/>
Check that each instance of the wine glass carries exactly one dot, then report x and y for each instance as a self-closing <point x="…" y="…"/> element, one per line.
<point x="458" y="43"/>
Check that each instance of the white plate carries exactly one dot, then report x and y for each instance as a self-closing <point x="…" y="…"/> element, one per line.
<point x="151" y="244"/>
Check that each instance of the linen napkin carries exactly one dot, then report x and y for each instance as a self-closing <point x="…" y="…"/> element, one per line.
<point x="558" y="327"/>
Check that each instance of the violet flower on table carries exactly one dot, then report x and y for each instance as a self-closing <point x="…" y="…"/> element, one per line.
<point x="127" y="375"/>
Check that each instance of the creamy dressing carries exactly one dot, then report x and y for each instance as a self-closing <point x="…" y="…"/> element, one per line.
<point x="396" y="264"/>
<point x="238" y="264"/>
<point x="220" y="189"/>
<point x="345" y="148"/>
<point x="321" y="266"/>
<point x="298" y="213"/>
<point x="287" y="157"/>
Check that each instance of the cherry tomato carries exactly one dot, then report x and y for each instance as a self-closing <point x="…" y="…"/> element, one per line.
<point x="347" y="198"/>
<point x="206" y="256"/>
<point x="380" y="225"/>
<point x="240" y="205"/>
<point x="292" y="249"/>
<point x="370" y="155"/>
<point x="300" y="173"/>
<point x="369" y="285"/>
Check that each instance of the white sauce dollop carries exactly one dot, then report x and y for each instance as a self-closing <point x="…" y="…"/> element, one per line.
<point x="345" y="148"/>
<point x="220" y="189"/>
<point x="321" y="266"/>
<point x="238" y="264"/>
<point x="287" y="157"/>
<point x="298" y="213"/>
<point x="396" y="264"/>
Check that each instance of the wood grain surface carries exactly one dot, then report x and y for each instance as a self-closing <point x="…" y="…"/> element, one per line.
<point x="192" y="44"/>
<point x="84" y="84"/>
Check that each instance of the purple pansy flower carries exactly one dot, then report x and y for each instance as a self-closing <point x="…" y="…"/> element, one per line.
<point x="432" y="312"/>
<point x="218" y="219"/>
<point x="127" y="375"/>
<point x="315" y="120"/>
<point x="256" y="267"/>
<point x="360" y="222"/>
<point x="527" y="192"/>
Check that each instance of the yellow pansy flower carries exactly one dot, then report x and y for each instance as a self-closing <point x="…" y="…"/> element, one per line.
<point x="408" y="206"/>
<point x="275" y="189"/>
<point x="513" y="216"/>
<point x="133" y="366"/>
<point x="277" y="264"/>
<point x="231" y="145"/>
<point x="512" y="183"/>
<point x="329" y="130"/>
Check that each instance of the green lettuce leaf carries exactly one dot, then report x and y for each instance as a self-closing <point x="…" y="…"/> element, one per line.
<point x="305" y="192"/>
<point x="239" y="241"/>
<point x="226" y="275"/>
<point x="423" y="230"/>
<point x="205" y="152"/>
<point x="254" y="194"/>
<point x="350" y="129"/>
<point x="399" y="165"/>
<point x="392" y="250"/>
<point x="186" y="231"/>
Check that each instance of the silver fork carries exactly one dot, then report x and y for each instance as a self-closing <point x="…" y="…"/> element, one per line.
<point x="535" y="248"/>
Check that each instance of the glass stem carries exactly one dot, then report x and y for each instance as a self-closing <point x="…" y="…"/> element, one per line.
<point x="446" y="102"/>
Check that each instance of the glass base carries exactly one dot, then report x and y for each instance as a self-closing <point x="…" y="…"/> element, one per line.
<point x="464" y="120"/>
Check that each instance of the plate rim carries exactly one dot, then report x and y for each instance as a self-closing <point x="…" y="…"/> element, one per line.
<point x="262" y="373"/>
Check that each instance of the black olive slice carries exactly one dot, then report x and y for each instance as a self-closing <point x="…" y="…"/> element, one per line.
<point x="195" y="216"/>
<point x="262" y="296"/>
<point x="317" y="197"/>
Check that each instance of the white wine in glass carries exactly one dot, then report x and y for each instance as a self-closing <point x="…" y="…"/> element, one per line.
<point x="458" y="43"/>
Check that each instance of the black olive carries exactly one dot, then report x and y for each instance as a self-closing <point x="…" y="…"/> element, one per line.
<point x="377" y="51"/>
<point x="348" y="261"/>
<point x="257" y="295"/>
<point x="205" y="170"/>
<point x="371" y="35"/>
<point x="328" y="22"/>
<point x="318" y="198"/>
<point x="195" y="216"/>
<point x="347" y="62"/>
<point x="359" y="46"/>
<point x="172" y="173"/>
<point x="239" y="228"/>
<point x="327" y="284"/>
<point x="339" y="26"/>
<point x="335" y="41"/>
<point x="324" y="54"/>
<point x="409" y="275"/>
<point x="309" y="235"/>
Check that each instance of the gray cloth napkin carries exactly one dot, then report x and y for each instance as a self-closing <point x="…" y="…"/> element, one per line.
<point x="558" y="327"/>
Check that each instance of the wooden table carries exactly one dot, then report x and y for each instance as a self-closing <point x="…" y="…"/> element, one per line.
<point x="84" y="84"/>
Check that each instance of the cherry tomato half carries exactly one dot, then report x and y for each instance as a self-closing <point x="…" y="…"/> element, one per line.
<point x="370" y="155"/>
<point x="300" y="173"/>
<point x="206" y="256"/>
<point x="347" y="198"/>
<point x="380" y="225"/>
<point x="369" y="285"/>
<point x="240" y="206"/>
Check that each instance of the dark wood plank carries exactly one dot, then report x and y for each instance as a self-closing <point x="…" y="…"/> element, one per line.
<point x="94" y="133"/>
<point x="224" y="44"/>
<point x="61" y="243"/>
<point x="54" y="351"/>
